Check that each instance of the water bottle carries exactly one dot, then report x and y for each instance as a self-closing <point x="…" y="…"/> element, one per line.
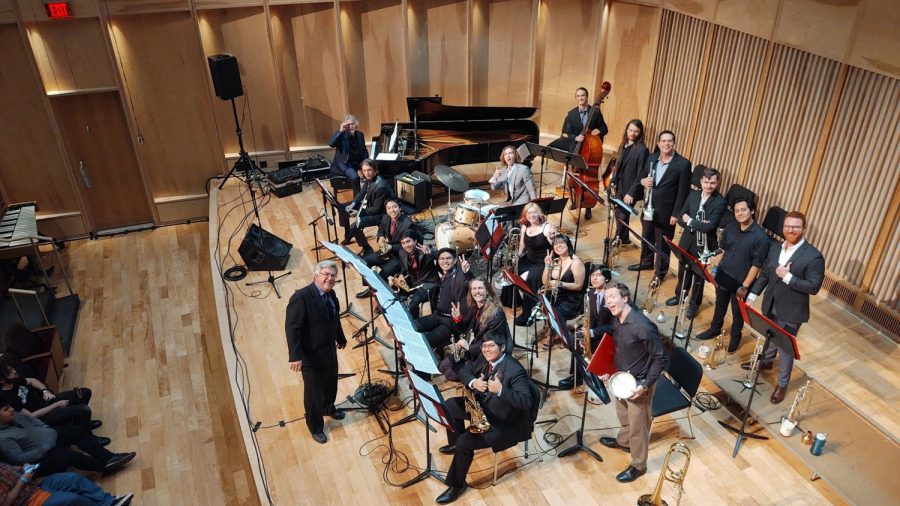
<point x="818" y="444"/>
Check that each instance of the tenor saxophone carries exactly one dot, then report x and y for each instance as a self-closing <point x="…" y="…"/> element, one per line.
<point x="676" y="476"/>
<point x="653" y="292"/>
<point x="478" y="422"/>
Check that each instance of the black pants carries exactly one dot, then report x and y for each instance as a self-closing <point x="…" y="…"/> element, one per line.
<point x="436" y="329"/>
<point x="466" y="442"/>
<point x="62" y="457"/>
<point x="622" y="232"/>
<point x="688" y="280"/>
<point x="319" y="393"/>
<point x="76" y="413"/>
<point x="654" y="232"/>
<point x="389" y="266"/>
<point x="357" y="230"/>
<point x="723" y="298"/>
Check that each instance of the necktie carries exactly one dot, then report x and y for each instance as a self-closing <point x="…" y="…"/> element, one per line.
<point x="328" y="305"/>
<point x="583" y="115"/>
<point x="413" y="263"/>
<point x="509" y="184"/>
<point x="490" y="369"/>
<point x="393" y="228"/>
<point x="599" y="302"/>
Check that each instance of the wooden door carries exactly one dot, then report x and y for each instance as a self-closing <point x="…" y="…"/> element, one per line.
<point x="100" y="150"/>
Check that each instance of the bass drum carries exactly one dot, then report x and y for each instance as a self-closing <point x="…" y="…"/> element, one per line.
<point x="456" y="237"/>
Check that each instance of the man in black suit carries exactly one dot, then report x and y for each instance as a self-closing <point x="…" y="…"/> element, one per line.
<point x="349" y="150"/>
<point x="391" y="229"/>
<point x="417" y="265"/>
<point x="665" y="193"/>
<point x="713" y="205"/>
<point x="573" y="126"/>
<point x="509" y="400"/>
<point x="314" y="334"/>
<point x="793" y="271"/>
<point x="368" y="205"/>
<point x="452" y="289"/>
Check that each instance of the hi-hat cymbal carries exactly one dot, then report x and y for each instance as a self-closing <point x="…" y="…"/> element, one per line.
<point x="450" y="178"/>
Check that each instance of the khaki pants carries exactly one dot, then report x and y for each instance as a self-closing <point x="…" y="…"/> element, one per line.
<point x="634" y="418"/>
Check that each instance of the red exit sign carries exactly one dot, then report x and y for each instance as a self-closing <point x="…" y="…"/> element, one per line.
<point x="57" y="10"/>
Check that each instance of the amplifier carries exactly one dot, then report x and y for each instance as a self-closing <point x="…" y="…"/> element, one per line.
<point x="291" y="175"/>
<point x="413" y="190"/>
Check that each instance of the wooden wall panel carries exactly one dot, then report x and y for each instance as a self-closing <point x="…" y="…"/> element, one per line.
<point x="374" y="62"/>
<point x="886" y="285"/>
<point x="503" y="52"/>
<point x="27" y="141"/>
<point x="243" y="33"/>
<point x="439" y="49"/>
<point x="222" y="4"/>
<point x="703" y="9"/>
<point x="34" y="10"/>
<point x="72" y="55"/>
<point x="123" y="7"/>
<point x="859" y="174"/>
<point x="681" y="43"/>
<point x="756" y="18"/>
<point x="568" y="39"/>
<point x="161" y="63"/>
<point x="820" y="27"/>
<point x="795" y="102"/>
<point x="876" y="44"/>
<point x="630" y="53"/>
<point x="731" y="84"/>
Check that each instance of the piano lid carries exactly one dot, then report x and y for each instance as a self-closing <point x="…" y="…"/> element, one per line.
<point x="432" y="109"/>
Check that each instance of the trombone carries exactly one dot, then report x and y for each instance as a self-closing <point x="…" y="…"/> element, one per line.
<point x="676" y="476"/>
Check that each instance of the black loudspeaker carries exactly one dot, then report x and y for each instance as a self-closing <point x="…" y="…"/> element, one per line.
<point x="262" y="251"/>
<point x="225" y="76"/>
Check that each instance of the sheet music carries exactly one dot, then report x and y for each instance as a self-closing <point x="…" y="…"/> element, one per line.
<point x="417" y="351"/>
<point x="392" y="144"/>
<point x="523" y="151"/>
<point x="624" y="206"/>
<point x="387" y="156"/>
<point x="425" y="388"/>
<point x="431" y="412"/>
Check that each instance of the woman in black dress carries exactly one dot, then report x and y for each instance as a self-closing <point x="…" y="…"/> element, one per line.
<point x="566" y="281"/>
<point x="534" y="244"/>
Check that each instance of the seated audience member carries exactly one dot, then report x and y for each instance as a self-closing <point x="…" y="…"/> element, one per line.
<point x="18" y="487"/>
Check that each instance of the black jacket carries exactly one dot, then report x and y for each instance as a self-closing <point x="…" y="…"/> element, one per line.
<point x="512" y="412"/>
<point x="629" y="167"/>
<point x="672" y="190"/>
<point x="453" y="288"/>
<point x="376" y="196"/>
<point x="426" y="274"/>
<point x="601" y="321"/>
<point x="714" y="208"/>
<point x="384" y="230"/>
<point x="791" y="300"/>
<point x="312" y="329"/>
<point x="573" y="127"/>
<point x="340" y="141"/>
<point x="495" y="324"/>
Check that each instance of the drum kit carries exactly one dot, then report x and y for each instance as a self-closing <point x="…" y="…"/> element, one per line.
<point x="459" y="231"/>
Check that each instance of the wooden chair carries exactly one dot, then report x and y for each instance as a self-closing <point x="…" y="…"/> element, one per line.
<point x="40" y="349"/>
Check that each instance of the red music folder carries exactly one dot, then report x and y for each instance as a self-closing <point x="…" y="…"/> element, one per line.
<point x="603" y="361"/>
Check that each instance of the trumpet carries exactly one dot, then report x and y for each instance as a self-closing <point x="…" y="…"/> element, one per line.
<point x="648" y="207"/>
<point x="676" y="476"/>
<point x="384" y="248"/>
<point x="681" y="331"/>
<point x="755" y="359"/>
<point x="702" y="243"/>
<point x="459" y="353"/>
<point x="653" y="292"/>
<point x="555" y="274"/>
<point x="804" y="399"/>
<point x="478" y="422"/>
<point x="509" y="259"/>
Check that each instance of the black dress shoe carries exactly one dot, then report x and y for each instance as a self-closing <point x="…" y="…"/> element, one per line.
<point x="320" y="437"/>
<point x="629" y="474"/>
<point x="347" y="241"/>
<point x="447" y="449"/>
<point x="102" y="441"/>
<point x="588" y="214"/>
<point x="96" y="424"/>
<point x="691" y="311"/>
<point x="706" y="335"/>
<point x="451" y="494"/>
<point x="363" y="294"/>
<point x="610" y="442"/>
<point x="118" y="461"/>
<point x="338" y="414"/>
<point x="569" y="383"/>
<point x="639" y="267"/>
<point x="673" y="301"/>
<point x="763" y="366"/>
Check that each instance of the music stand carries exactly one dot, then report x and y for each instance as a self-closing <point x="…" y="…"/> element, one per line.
<point x="328" y="199"/>
<point x="559" y="328"/>
<point x="513" y="277"/>
<point x="599" y="389"/>
<point x="418" y="356"/>
<point x="429" y="397"/>
<point x="542" y="151"/>
<point x="552" y="206"/>
<point x="697" y="269"/>
<point x="526" y="290"/>
<point x="504" y="214"/>
<point x="650" y="245"/>
<point x="765" y="328"/>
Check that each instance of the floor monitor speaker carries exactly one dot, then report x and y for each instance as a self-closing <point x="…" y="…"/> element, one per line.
<point x="263" y="251"/>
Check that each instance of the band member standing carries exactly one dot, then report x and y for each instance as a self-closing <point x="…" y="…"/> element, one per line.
<point x="713" y="205"/>
<point x="600" y="318"/>
<point x="665" y="193"/>
<point x="515" y="178"/>
<point x="485" y="316"/>
<point x="392" y="227"/>
<point x="575" y="121"/>
<point x="534" y="242"/>
<point x="745" y="246"/>
<point x="507" y="397"/>
<point x="417" y="265"/>
<point x="630" y="160"/>
<point x="453" y="288"/>
<point x="368" y="205"/>
<point x="349" y="150"/>
<point x="314" y="333"/>
<point x="639" y="351"/>
<point x="793" y="271"/>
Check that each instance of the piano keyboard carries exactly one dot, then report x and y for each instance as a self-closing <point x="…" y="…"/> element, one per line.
<point x="18" y="226"/>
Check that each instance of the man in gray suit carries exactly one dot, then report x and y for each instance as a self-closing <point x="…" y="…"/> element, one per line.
<point x="516" y="178"/>
<point x="793" y="271"/>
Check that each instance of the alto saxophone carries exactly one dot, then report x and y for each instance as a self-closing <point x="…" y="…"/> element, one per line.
<point x="676" y="476"/>
<point x="804" y="399"/>
<point x="384" y="248"/>
<point x="755" y="359"/>
<point x="653" y="292"/>
<point x="478" y="422"/>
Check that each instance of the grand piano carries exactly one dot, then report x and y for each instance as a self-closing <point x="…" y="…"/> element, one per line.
<point x="440" y="134"/>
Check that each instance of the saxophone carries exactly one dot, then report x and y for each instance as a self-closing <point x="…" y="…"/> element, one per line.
<point x="478" y="422"/>
<point x="804" y="399"/>
<point x="586" y="325"/>
<point x="384" y="248"/>
<point x="676" y="476"/>
<point x="509" y="259"/>
<point x="398" y="283"/>
<point x="650" y="301"/>
<point x="615" y="249"/>
<point x="755" y="359"/>
<point x="681" y="331"/>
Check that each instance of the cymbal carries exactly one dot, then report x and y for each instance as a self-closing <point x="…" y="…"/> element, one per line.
<point x="450" y="178"/>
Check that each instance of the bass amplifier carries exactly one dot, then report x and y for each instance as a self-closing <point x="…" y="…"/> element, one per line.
<point x="291" y="175"/>
<point x="413" y="189"/>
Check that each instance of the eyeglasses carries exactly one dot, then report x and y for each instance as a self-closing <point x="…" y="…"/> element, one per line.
<point x="793" y="227"/>
<point x="327" y="275"/>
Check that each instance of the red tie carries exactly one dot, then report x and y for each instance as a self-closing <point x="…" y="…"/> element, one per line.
<point x="393" y="227"/>
<point x="490" y="369"/>
<point x="412" y="261"/>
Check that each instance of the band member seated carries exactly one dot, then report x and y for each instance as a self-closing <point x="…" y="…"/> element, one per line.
<point x="485" y="315"/>
<point x="601" y="320"/>
<point x="625" y="183"/>
<point x="745" y="246"/>
<point x="368" y="205"/>
<point x="574" y="124"/>
<point x="639" y="351"/>
<point x="793" y="271"/>
<point x="713" y="204"/>
<point x="391" y="229"/>
<point x="349" y="150"/>
<point x="452" y="289"/>
<point x="515" y="178"/>
<point x="417" y="269"/>
<point x="504" y="393"/>
<point x="534" y="242"/>
<point x="563" y="278"/>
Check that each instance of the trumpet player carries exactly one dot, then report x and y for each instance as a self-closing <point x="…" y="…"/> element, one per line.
<point x="793" y="271"/>
<point x="452" y="289"/>
<point x="666" y="187"/>
<point x="417" y="266"/>
<point x="508" y="399"/>
<point x="391" y="229"/>
<point x="600" y="318"/>
<point x="639" y="351"/>
<point x="700" y="218"/>
<point x="368" y="204"/>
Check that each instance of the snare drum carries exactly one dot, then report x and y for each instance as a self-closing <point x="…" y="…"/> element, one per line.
<point x="476" y="196"/>
<point x="467" y="215"/>
<point x="457" y="237"/>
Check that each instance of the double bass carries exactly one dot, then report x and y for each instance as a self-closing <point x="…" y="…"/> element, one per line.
<point x="591" y="149"/>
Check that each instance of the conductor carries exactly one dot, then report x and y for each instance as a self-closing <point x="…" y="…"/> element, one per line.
<point x="313" y="328"/>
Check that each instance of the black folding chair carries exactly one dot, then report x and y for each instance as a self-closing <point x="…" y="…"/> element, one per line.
<point x="774" y="222"/>
<point x="676" y="389"/>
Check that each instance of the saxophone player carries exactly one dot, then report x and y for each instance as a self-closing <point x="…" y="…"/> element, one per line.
<point x="452" y="289"/>
<point x="417" y="266"/>
<point x="700" y="217"/>
<point x="508" y="399"/>
<point x="391" y="229"/>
